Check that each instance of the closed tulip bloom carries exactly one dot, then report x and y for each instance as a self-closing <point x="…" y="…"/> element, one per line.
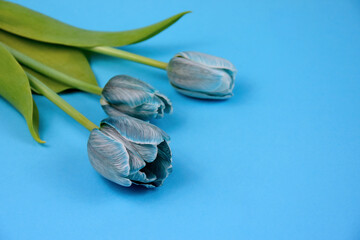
<point x="201" y="75"/>
<point x="129" y="151"/>
<point x="127" y="95"/>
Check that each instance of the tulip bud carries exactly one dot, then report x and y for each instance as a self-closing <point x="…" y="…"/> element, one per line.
<point x="127" y="95"/>
<point x="129" y="151"/>
<point x="201" y="75"/>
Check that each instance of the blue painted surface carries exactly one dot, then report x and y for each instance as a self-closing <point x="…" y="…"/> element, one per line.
<point x="279" y="160"/>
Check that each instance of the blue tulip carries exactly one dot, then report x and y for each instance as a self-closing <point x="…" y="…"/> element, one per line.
<point x="202" y="76"/>
<point x="126" y="150"/>
<point x="127" y="95"/>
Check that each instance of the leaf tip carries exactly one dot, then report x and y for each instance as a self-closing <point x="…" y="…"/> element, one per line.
<point x="183" y="13"/>
<point x="40" y="141"/>
<point x="37" y="138"/>
<point x="34" y="132"/>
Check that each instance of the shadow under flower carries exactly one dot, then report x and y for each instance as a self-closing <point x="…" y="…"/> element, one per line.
<point x="132" y="190"/>
<point x="179" y="179"/>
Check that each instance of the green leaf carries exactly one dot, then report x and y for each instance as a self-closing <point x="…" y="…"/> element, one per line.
<point x="15" y="88"/>
<point x="68" y="60"/>
<point x="31" y="24"/>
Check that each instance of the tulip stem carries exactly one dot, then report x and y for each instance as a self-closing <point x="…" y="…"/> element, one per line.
<point x="128" y="56"/>
<point x="60" y="102"/>
<point x="53" y="73"/>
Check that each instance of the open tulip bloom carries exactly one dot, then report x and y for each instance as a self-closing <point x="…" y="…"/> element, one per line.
<point x="43" y="55"/>
<point x="129" y="151"/>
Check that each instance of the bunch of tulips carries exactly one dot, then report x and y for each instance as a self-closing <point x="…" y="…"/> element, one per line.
<point x="126" y="148"/>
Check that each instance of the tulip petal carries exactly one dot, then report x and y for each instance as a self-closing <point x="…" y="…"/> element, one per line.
<point x="147" y="111"/>
<point x="166" y="101"/>
<point x="128" y="95"/>
<point x="210" y="61"/>
<point x="109" y="109"/>
<point x="203" y="95"/>
<point x="201" y="75"/>
<point x="193" y="76"/>
<point x="147" y="152"/>
<point x="109" y="157"/>
<point x="164" y="147"/>
<point x="151" y="104"/>
<point x="143" y="112"/>
<point x="124" y="89"/>
<point x="130" y="82"/>
<point x="141" y="177"/>
<point x="136" y="163"/>
<point x="161" y="167"/>
<point x="149" y="174"/>
<point x="148" y="107"/>
<point x="122" y="95"/>
<point x="136" y="131"/>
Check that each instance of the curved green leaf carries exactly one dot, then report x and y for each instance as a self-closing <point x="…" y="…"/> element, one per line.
<point x="31" y="24"/>
<point x="15" y="88"/>
<point x="68" y="60"/>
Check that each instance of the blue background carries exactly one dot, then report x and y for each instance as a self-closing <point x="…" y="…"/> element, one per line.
<point x="279" y="160"/>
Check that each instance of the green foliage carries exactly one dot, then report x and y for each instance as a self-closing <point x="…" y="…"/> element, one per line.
<point x="15" y="88"/>
<point x="21" y="21"/>
<point x="68" y="60"/>
<point x="54" y="49"/>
